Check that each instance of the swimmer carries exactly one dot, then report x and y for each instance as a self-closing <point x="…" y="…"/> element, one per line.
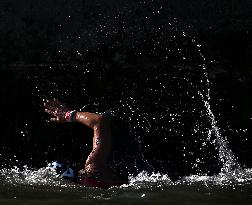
<point x="96" y="171"/>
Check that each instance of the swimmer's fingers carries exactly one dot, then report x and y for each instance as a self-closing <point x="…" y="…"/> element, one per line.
<point x="52" y="103"/>
<point x="49" y="106"/>
<point x="56" y="104"/>
<point x="57" y="119"/>
<point x="56" y="113"/>
<point x="50" y="112"/>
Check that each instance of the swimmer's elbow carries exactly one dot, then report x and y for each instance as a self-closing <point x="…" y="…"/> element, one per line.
<point x="99" y="122"/>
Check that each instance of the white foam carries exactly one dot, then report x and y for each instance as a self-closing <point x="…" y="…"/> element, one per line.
<point x="235" y="178"/>
<point x="26" y="176"/>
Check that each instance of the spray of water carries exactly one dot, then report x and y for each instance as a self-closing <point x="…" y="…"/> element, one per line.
<point x="226" y="156"/>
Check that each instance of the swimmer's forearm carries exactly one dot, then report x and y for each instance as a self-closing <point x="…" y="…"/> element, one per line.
<point x="89" y="119"/>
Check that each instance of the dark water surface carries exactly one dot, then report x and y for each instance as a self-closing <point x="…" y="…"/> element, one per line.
<point x="168" y="195"/>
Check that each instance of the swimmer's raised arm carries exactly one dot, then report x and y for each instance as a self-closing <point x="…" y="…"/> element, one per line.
<point x="97" y="161"/>
<point x="100" y="125"/>
<point x="62" y="113"/>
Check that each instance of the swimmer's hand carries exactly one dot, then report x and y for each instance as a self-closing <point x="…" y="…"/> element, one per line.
<point x="56" y="109"/>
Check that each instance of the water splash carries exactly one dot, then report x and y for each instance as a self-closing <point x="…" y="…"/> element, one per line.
<point x="27" y="176"/>
<point x="48" y="178"/>
<point x="226" y="155"/>
<point x="144" y="179"/>
<point x="234" y="178"/>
